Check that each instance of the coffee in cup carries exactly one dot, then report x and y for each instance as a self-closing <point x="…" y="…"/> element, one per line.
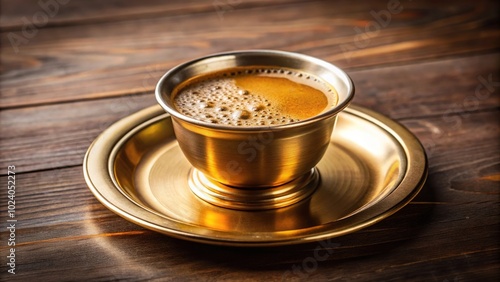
<point x="254" y="96"/>
<point x="254" y="123"/>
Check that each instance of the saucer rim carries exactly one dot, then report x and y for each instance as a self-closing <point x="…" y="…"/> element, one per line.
<point x="101" y="184"/>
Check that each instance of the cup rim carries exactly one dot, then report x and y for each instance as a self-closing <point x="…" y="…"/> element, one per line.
<point x="323" y="115"/>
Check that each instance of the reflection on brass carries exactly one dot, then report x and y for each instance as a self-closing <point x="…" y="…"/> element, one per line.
<point x="280" y="196"/>
<point x="371" y="168"/>
<point x="259" y="156"/>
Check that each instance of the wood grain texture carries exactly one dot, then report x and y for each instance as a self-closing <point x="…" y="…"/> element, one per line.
<point x="127" y="57"/>
<point x="76" y="12"/>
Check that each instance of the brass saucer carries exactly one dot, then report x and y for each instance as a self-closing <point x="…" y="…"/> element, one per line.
<point x="373" y="168"/>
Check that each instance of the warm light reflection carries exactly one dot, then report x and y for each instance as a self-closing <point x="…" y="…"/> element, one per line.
<point x="111" y="248"/>
<point x="218" y="221"/>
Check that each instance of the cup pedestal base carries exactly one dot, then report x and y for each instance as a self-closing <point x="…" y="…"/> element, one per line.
<point x="241" y="198"/>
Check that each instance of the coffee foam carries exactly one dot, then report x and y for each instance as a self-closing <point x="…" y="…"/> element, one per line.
<point x="254" y="97"/>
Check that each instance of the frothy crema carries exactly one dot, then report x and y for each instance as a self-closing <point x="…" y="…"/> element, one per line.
<point x="254" y="97"/>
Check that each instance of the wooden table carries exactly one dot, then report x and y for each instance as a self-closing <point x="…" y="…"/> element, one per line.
<point x="70" y="68"/>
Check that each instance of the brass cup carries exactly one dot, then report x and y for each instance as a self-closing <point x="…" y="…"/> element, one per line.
<point x="254" y="157"/>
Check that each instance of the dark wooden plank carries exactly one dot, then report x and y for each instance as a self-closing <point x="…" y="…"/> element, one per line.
<point x="127" y="57"/>
<point x="53" y="136"/>
<point x="438" y="88"/>
<point x="58" y="135"/>
<point x="386" y="254"/>
<point x="71" y="12"/>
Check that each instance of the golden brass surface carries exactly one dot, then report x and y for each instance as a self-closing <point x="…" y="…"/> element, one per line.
<point x="252" y="198"/>
<point x="372" y="167"/>
<point x="258" y="156"/>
